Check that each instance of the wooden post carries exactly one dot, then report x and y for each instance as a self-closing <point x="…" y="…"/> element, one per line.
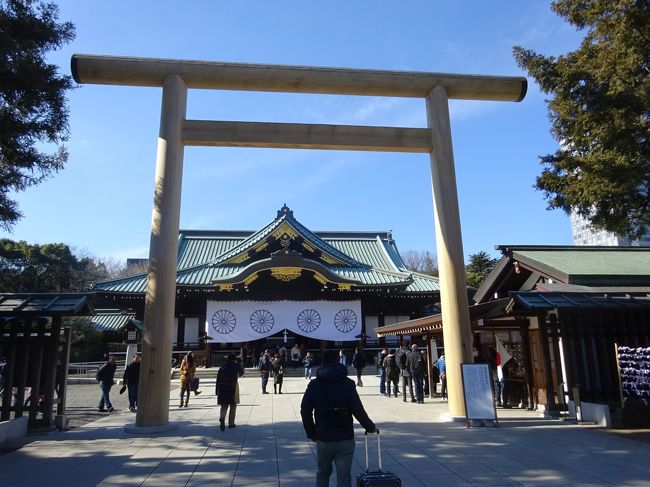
<point x="160" y="299"/>
<point x="546" y="360"/>
<point x="453" y="289"/>
<point x="63" y="372"/>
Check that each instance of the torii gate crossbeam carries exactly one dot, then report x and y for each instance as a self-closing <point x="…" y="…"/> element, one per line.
<point x="176" y="76"/>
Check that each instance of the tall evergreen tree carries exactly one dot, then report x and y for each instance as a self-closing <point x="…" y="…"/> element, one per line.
<point x="33" y="108"/>
<point x="600" y="114"/>
<point x="478" y="267"/>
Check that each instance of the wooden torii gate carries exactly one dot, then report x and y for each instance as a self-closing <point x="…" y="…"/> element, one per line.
<point x="176" y="132"/>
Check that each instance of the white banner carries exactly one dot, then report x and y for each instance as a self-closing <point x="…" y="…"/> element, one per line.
<point x="243" y="321"/>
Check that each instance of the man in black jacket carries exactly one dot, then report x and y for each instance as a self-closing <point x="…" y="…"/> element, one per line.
<point x="328" y="406"/>
<point x="105" y="376"/>
<point x="227" y="390"/>
<point x="416" y="365"/>
<point x="131" y="380"/>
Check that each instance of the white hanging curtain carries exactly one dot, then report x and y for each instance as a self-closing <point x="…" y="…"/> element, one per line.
<point x="243" y="321"/>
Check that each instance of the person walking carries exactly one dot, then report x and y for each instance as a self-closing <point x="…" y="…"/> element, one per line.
<point x="265" y="369"/>
<point x="416" y="366"/>
<point x="131" y="380"/>
<point x="392" y="373"/>
<point x="278" y="373"/>
<point x="407" y="381"/>
<point x="308" y="362"/>
<point x="358" y="362"/>
<point x="105" y="376"/>
<point x="493" y="361"/>
<point x="343" y="359"/>
<point x="327" y="410"/>
<point x="227" y="390"/>
<point x="295" y="355"/>
<point x="188" y="369"/>
<point x="435" y="378"/>
<point x="443" y="377"/>
<point x="381" y="356"/>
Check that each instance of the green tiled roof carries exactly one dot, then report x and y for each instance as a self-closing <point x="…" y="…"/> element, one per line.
<point x="369" y="258"/>
<point x="111" y="320"/>
<point x="617" y="261"/>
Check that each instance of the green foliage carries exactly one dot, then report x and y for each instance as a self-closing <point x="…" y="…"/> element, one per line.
<point x="600" y="115"/>
<point x="45" y="268"/>
<point x="33" y="108"/>
<point x="479" y="266"/>
<point x="86" y="343"/>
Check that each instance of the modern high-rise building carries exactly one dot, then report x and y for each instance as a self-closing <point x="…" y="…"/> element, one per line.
<point x="583" y="234"/>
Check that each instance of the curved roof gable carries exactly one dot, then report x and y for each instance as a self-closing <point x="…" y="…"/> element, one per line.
<point x="285" y="223"/>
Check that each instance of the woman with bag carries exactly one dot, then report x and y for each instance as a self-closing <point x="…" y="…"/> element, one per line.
<point x="188" y="369"/>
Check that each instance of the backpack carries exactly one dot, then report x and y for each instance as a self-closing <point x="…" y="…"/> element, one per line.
<point x="419" y="365"/>
<point x="99" y="376"/>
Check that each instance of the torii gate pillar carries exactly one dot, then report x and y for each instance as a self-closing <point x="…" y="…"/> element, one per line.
<point x="456" y="328"/>
<point x="153" y="393"/>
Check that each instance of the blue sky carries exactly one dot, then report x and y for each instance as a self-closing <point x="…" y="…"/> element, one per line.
<point x="100" y="203"/>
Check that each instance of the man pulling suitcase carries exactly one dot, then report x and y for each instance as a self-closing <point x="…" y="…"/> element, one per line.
<point x="328" y="406"/>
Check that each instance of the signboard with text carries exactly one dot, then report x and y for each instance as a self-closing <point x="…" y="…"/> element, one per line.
<point x="477" y="393"/>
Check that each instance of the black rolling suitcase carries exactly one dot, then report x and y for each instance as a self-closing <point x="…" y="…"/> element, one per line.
<point x="378" y="478"/>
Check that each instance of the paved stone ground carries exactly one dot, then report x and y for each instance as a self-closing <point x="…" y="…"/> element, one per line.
<point x="268" y="447"/>
<point x="82" y="402"/>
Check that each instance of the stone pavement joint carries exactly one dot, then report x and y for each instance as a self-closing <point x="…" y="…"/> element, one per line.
<point x="268" y="447"/>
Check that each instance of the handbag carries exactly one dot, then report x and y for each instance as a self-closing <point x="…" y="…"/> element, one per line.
<point x="122" y="389"/>
<point x="194" y="384"/>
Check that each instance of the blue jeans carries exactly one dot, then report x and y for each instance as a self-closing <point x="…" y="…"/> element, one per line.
<point x="341" y="452"/>
<point x="307" y="372"/>
<point x="265" y="380"/>
<point x="105" y="400"/>
<point x="382" y="381"/>
<point x="133" y="394"/>
<point x="497" y="389"/>
<point x="419" y="387"/>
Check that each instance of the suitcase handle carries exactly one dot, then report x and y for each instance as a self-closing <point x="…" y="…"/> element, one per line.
<point x="378" y="450"/>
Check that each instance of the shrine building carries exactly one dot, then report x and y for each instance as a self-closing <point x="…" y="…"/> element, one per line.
<point x="284" y="283"/>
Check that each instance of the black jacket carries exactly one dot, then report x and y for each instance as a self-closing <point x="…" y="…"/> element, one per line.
<point x="329" y="403"/>
<point x="106" y="373"/>
<point x="415" y="364"/>
<point x="132" y="374"/>
<point x="226" y="384"/>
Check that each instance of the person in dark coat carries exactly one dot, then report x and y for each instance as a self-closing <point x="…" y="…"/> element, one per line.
<point x="392" y="373"/>
<point x="105" y="376"/>
<point x="265" y="369"/>
<point x="327" y="410"/>
<point x="416" y="365"/>
<point x="131" y="380"/>
<point x="227" y="390"/>
<point x="358" y="362"/>
<point x="277" y="366"/>
<point x="435" y="378"/>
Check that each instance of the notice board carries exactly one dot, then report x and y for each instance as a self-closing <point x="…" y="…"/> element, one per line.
<point x="477" y="393"/>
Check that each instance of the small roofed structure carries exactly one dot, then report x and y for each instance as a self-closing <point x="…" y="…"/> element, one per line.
<point x="37" y="351"/>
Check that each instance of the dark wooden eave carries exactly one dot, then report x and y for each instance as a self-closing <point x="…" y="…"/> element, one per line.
<point x="434" y="324"/>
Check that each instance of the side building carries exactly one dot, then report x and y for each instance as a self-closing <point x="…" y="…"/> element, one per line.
<point x="584" y="234"/>
<point x="284" y="284"/>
